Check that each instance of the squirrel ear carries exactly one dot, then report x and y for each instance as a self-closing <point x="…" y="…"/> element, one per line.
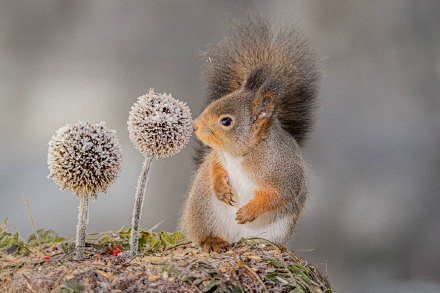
<point x="262" y="108"/>
<point x="255" y="78"/>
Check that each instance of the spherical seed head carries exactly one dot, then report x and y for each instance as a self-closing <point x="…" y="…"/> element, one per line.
<point x="84" y="158"/>
<point x="159" y="125"/>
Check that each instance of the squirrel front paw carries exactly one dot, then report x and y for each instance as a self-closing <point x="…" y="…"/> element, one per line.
<point x="223" y="191"/>
<point x="246" y="214"/>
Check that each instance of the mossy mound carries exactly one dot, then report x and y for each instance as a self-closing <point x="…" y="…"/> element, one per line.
<point x="167" y="263"/>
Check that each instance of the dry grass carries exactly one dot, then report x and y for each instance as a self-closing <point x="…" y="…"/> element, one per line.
<point x="167" y="264"/>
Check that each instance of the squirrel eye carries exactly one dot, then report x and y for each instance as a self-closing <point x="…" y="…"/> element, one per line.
<point x="226" y="121"/>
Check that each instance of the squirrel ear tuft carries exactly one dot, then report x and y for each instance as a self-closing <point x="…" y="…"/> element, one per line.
<point x="256" y="78"/>
<point x="262" y="108"/>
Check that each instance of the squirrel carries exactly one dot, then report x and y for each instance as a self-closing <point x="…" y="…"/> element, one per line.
<point x="251" y="179"/>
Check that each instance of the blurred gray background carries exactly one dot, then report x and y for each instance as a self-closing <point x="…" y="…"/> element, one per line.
<point x="373" y="217"/>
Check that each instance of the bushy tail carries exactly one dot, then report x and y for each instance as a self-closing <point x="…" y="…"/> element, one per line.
<point x="289" y="59"/>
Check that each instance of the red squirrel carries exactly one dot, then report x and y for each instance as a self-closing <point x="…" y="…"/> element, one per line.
<point x="251" y="179"/>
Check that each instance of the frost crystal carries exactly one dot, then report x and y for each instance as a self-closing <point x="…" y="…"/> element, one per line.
<point x="84" y="158"/>
<point x="159" y="125"/>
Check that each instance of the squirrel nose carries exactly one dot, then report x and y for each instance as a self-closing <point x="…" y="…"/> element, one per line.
<point x="195" y="126"/>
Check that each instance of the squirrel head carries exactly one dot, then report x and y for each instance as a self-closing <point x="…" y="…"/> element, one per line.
<point x="237" y="122"/>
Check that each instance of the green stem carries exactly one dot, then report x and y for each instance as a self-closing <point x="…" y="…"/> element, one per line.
<point x="81" y="227"/>
<point x="138" y="203"/>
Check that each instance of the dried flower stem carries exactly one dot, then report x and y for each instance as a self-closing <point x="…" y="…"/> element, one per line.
<point x="31" y="217"/>
<point x="138" y="204"/>
<point x="83" y="218"/>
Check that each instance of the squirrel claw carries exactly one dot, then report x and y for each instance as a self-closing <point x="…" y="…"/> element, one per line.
<point x="244" y="215"/>
<point x="223" y="191"/>
<point x="227" y="197"/>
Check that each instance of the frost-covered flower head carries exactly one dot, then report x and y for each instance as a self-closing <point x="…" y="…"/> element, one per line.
<point x="84" y="158"/>
<point x="159" y="125"/>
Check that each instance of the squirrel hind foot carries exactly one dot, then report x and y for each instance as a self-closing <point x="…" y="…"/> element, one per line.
<point x="214" y="244"/>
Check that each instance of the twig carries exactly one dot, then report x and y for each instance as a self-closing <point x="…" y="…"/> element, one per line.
<point x="58" y="282"/>
<point x="234" y="274"/>
<point x="252" y="274"/>
<point x="155" y="226"/>
<point x="37" y="237"/>
<point x="279" y="246"/>
<point x="177" y="245"/>
<point x="30" y="284"/>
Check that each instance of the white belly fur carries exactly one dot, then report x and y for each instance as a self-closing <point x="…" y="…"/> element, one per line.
<point x="265" y="226"/>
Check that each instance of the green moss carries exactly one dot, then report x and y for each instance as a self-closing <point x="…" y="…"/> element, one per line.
<point x="10" y="242"/>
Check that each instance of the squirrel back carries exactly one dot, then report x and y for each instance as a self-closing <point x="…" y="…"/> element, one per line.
<point x="252" y="55"/>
